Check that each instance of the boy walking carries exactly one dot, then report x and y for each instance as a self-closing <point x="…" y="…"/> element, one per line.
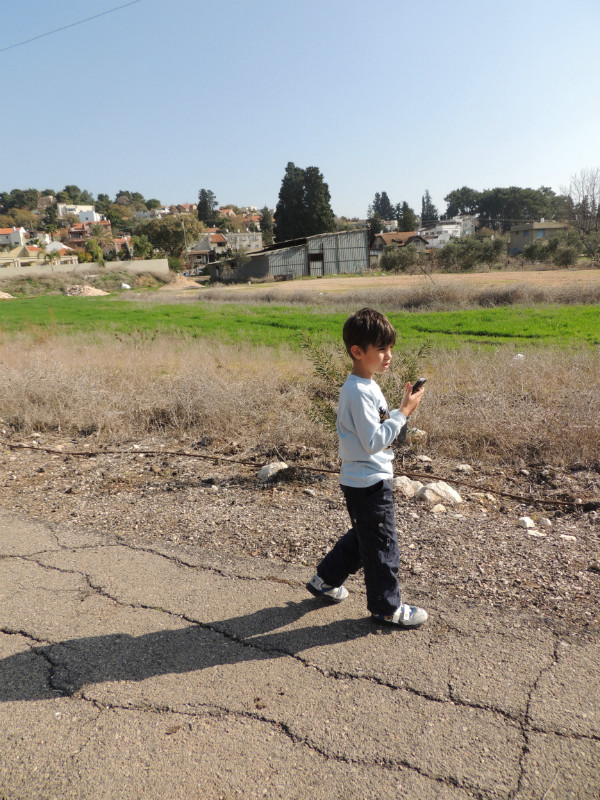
<point x="366" y="430"/>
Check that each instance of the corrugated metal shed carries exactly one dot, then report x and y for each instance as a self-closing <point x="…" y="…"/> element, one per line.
<point x="324" y="254"/>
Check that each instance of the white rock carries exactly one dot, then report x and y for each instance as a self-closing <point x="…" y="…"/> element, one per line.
<point x="526" y="522"/>
<point x="125" y="286"/>
<point x="310" y="492"/>
<point x="545" y="522"/>
<point x="407" y="487"/>
<point x="416" y="436"/>
<point x="424" y="459"/>
<point x="269" y="470"/>
<point x="439" y="508"/>
<point x="466" y="468"/>
<point x="439" y="491"/>
<point x="567" y="537"/>
<point x="537" y="534"/>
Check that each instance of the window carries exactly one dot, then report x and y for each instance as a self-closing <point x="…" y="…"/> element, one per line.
<point x="525" y="233"/>
<point x="539" y="234"/>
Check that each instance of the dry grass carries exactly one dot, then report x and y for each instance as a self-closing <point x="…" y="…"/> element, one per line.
<point x="429" y="296"/>
<point x="479" y="405"/>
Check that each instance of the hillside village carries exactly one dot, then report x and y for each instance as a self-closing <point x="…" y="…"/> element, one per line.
<point x="43" y="229"/>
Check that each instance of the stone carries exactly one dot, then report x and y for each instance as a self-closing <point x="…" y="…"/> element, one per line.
<point x="437" y="492"/>
<point x="310" y="492"/>
<point x="416" y="436"/>
<point x="424" y="459"/>
<point x="537" y="534"/>
<point x="525" y="522"/>
<point x="406" y="487"/>
<point x="567" y="537"/>
<point x="466" y="468"/>
<point x="545" y="522"/>
<point x="270" y="470"/>
<point x="439" y="508"/>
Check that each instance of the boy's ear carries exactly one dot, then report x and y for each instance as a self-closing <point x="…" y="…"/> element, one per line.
<point x="356" y="351"/>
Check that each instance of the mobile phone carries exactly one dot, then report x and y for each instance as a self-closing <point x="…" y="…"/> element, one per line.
<point x="417" y="384"/>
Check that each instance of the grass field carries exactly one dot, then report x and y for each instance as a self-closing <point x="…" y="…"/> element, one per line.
<point x="276" y="325"/>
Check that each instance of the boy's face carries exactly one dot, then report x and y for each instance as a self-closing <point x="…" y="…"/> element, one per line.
<point x="374" y="360"/>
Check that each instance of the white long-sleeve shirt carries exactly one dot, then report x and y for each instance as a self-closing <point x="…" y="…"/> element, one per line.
<point x="366" y="429"/>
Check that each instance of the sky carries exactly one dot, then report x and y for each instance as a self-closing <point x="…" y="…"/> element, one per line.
<point x="166" y="97"/>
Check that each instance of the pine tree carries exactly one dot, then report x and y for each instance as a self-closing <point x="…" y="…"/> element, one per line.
<point x="303" y="208"/>
<point x="407" y="219"/>
<point x="429" y="212"/>
<point x="266" y="225"/>
<point x="318" y="215"/>
<point x="207" y="207"/>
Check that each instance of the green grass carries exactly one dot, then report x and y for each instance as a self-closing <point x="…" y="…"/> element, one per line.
<point x="275" y="325"/>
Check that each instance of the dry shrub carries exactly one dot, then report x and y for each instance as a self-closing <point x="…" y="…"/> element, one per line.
<point x="480" y="405"/>
<point x="124" y="390"/>
<point x="494" y="406"/>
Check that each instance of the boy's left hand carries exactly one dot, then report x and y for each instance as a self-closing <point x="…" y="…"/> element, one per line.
<point x="410" y="401"/>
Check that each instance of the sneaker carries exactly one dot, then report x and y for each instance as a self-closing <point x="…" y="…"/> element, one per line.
<point x="319" y="588"/>
<point x="405" y="617"/>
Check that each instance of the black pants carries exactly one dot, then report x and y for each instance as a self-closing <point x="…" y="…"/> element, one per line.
<point x="370" y="543"/>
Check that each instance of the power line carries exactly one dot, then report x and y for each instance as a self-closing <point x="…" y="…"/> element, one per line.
<point x="72" y="25"/>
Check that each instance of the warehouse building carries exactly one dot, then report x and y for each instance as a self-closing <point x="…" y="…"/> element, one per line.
<point x="324" y="254"/>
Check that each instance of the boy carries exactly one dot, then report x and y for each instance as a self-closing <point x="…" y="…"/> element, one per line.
<point x="366" y="429"/>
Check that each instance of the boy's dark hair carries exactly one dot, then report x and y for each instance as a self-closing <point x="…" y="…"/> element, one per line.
<point x="367" y="327"/>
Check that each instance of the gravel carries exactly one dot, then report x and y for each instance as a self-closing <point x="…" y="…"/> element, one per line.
<point x="475" y="550"/>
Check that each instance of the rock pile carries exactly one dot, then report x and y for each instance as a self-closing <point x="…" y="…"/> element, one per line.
<point x="6" y="296"/>
<point x="83" y="290"/>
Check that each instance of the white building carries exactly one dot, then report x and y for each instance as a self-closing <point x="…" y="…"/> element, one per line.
<point x="84" y="213"/>
<point x="12" y="237"/>
<point x="439" y="234"/>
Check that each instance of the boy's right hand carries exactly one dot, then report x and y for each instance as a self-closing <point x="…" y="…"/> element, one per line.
<point x="410" y="401"/>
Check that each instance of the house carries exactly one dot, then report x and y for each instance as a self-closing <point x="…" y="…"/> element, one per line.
<point x="323" y="254"/>
<point x="247" y="241"/>
<point x="84" y="213"/>
<point x="80" y="233"/>
<point x="186" y="208"/>
<point x="527" y="232"/>
<point x="438" y="234"/>
<point x="123" y="246"/>
<point x="12" y="237"/>
<point x="400" y="239"/>
<point x="227" y="212"/>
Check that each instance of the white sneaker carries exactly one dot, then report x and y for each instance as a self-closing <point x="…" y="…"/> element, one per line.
<point x="319" y="588"/>
<point x="405" y="617"/>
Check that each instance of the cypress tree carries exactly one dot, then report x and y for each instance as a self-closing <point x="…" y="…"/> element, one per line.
<point x="303" y="207"/>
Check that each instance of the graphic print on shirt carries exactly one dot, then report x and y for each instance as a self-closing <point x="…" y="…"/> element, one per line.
<point x="383" y="414"/>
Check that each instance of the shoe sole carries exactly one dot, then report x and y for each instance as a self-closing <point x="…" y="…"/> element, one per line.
<point x="324" y="596"/>
<point x="402" y="625"/>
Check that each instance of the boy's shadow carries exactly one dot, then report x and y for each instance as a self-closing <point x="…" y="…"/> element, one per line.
<point x="64" y="667"/>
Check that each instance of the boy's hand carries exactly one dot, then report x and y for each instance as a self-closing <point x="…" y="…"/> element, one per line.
<point x="410" y="401"/>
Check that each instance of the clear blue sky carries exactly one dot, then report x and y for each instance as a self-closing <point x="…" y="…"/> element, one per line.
<point x="166" y="97"/>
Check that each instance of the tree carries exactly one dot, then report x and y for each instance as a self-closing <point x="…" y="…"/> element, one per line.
<point x="374" y="226"/>
<point x="289" y="212"/>
<point x="398" y="259"/>
<point x="318" y="215"/>
<point x="93" y="248"/>
<point x="584" y="200"/>
<point x="407" y="219"/>
<point x="99" y="233"/>
<point x="304" y="204"/>
<point x="429" y="212"/>
<point x="153" y="204"/>
<point x="461" y="201"/>
<point x="381" y="205"/>
<point x="207" y="207"/>
<point x="142" y="247"/>
<point x="266" y="225"/>
<point x="169" y="234"/>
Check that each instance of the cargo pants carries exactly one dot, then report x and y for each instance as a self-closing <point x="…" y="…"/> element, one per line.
<point x="371" y="543"/>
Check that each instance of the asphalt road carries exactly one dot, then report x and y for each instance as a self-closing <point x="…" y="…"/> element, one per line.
<point x="132" y="670"/>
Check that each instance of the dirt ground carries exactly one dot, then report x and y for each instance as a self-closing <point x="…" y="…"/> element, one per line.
<point x="473" y="550"/>
<point x="496" y="278"/>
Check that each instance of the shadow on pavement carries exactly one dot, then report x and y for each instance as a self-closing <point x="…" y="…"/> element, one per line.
<point x="64" y="667"/>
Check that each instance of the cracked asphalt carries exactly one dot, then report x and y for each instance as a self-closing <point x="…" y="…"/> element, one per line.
<point x="137" y="669"/>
